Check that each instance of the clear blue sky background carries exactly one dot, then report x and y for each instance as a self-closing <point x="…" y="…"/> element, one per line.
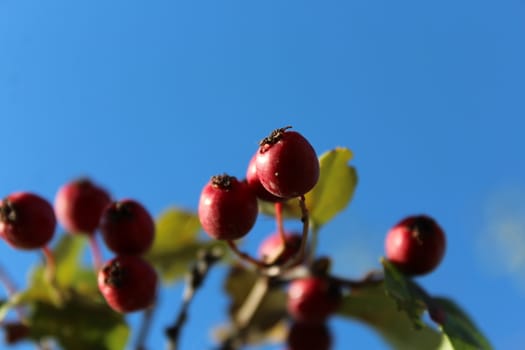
<point x="152" y="98"/>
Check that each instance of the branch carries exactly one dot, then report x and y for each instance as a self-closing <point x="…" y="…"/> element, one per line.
<point x="206" y="259"/>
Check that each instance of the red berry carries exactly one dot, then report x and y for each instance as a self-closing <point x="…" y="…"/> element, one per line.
<point x="255" y="184"/>
<point x="128" y="283"/>
<point x="227" y="208"/>
<point x="309" y="336"/>
<point x="272" y="245"/>
<point x="287" y="164"/>
<point x="127" y="227"/>
<point x="313" y="299"/>
<point x="27" y="221"/>
<point x="14" y="332"/>
<point x="79" y="205"/>
<point x="415" y="245"/>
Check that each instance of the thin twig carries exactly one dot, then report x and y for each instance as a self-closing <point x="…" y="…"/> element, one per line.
<point x="246" y="257"/>
<point x="252" y="302"/>
<point x="147" y="320"/>
<point x="245" y="314"/>
<point x="199" y="270"/>
<point x="299" y="256"/>
<point x="372" y="278"/>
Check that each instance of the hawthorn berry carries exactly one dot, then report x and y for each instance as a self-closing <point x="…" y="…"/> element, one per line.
<point x="227" y="208"/>
<point x="306" y="336"/>
<point x="255" y="184"/>
<point x="313" y="299"/>
<point x="415" y="245"/>
<point x="272" y="252"/>
<point x="286" y="164"/>
<point x="127" y="227"/>
<point x="79" y="205"/>
<point x="128" y="283"/>
<point x="27" y="221"/>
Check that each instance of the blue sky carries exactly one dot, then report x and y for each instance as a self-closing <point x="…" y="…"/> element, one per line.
<point x="151" y="99"/>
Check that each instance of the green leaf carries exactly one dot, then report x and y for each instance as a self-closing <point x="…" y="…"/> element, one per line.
<point x="175" y="246"/>
<point x="335" y="188"/>
<point x="461" y="331"/>
<point x="373" y="307"/>
<point x="174" y="227"/>
<point x="408" y="295"/>
<point x="79" y="323"/>
<point x="70" y="308"/>
<point x="331" y="194"/>
<point x="67" y="253"/>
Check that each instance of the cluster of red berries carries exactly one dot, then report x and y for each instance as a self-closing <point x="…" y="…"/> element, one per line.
<point x="127" y="282"/>
<point x="284" y="166"/>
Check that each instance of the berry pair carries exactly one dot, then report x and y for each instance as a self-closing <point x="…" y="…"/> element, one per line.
<point x="311" y="301"/>
<point x="126" y="226"/>
<point x="284" y="166"/>
<point x="127" y="282"/>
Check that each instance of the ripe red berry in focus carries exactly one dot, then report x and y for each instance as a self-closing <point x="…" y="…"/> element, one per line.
<point x="127" y="227"/>
<point x="227" y="208"/>
<point x="27" y="221"/>
<point x="309" y="336"/>
<point x="313" y="299"/>
<point x="255" y="184"/>
<point x="287" y="165"/>
<point x="128" y="283"/>
<point x="79" y="205"/>
<point x="415" y="245"/>
<point x="272" y="245"/>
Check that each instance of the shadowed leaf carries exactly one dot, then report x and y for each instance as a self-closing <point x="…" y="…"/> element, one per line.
<point x="408" y="295"/>
<point x="175" y="246"/>
<point x="373" y="307"/>
<point x="461" y="331"/>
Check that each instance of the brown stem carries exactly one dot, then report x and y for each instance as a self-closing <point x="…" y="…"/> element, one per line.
<point x="245" y="314"/>
<point x="279" y="220"/>
<point x="299" y="256"/>
<point x="95" y="252"/>
<point x="50" y="264"/>
<point x="246" y="257"/>
<point x="252" y="302"/>
<point x="372" y="278"/>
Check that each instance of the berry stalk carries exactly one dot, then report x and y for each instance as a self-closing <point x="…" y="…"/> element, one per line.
<point x="95" y="252"/>
<point x="50" y="264"/>
<point x="246" y="257"/>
